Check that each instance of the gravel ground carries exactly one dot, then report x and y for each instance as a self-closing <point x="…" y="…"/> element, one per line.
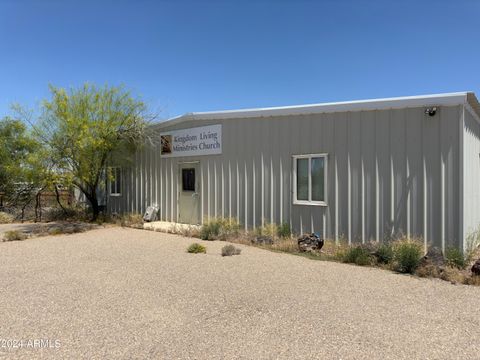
<point x="124" y="293"/>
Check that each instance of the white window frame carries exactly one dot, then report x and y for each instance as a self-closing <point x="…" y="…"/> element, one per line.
<point x="118" y="190"/>
<point x="325" y="177"/>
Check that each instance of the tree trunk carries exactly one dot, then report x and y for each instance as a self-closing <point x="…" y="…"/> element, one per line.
<point x="92" y="198"/>
<point x="37" y="206"/>
<point x="57" y="197"/>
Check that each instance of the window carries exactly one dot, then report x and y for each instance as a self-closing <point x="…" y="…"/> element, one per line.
<point x="188" y="179"/>
<point x="116" y="181"/>
<point x="310" y="179"/>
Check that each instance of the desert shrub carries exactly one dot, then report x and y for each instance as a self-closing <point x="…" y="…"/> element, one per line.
<point x="6" y="218"/>
<point x="229" y="250"/>
<point x="283" y="230"/>
<point x="68" y="213"/>
<point x="219" y="229"/>
<point x="190" y="231"/>
<point x="455" y="258"/>
<point x="210" y="230"/>
<point x="267" y="229"/>
<point x="196" y="248"/>
<point x="384" y="253"/>
<point x="427" y="270"/>
<point x="273" y="230"/>
<point x="357" y="255"/>
<point x="407" y="255"/>
<point x="453" y="274"/>
<point x="473" y="240"/>
<point x="131" y="220"/>
<point x="14" y="235"/>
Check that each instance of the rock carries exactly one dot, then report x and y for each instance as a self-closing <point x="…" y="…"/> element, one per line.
<point x="262" y="240"/>
<point x="309" y="242"/>
<point x="434" y="256"/>
<point x="476" y="267"/>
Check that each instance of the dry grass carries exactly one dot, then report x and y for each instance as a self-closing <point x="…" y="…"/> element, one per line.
<point x="285" y="245"/>
<point x="6" y="218"/>
<point x="14" y="235"/>
<point x="472" y="280"/>
<point x="132" y="220"/>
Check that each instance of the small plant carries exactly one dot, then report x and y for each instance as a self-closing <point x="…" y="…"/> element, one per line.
<point x="6" y="218"/>
<point x="384" y="253"/>
<point x="357" y="255"/>
<point x="455" y="258"/>
<point x="229" y="250"/>
<point x="407" y="255"/>
<point x="196" y="248"/>
<point x="219" y="229"/>
<point x="14" y="235"/>
<point x="284" y="230"/>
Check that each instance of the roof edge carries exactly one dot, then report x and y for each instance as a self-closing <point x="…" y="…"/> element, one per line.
<point x="446" y="99"/>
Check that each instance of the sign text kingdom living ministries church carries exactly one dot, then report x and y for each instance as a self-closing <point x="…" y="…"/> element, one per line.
<point x="205" y="140"/>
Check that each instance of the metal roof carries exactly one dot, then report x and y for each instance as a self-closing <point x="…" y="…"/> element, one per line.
<point x="447" y="99"/>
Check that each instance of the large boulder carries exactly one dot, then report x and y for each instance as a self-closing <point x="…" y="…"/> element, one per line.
<point x="310" y="242"/>
<point x="476" y="268"/>
<point x="435" y="257"/>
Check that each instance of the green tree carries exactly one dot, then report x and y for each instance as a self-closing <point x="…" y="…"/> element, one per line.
<point x="16" y="147"/>
<point x="88" y="128"/>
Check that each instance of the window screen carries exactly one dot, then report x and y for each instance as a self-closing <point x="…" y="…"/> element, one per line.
<point x="188" y="179"/>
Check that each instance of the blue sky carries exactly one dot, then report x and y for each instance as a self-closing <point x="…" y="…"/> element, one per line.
<point x="184" y="56"/>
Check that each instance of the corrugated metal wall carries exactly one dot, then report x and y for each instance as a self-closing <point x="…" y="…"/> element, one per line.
<point x="389" y="172"/>
<point x="471" y="141"/>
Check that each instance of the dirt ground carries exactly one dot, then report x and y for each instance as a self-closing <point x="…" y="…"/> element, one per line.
<point x="125" y="293"/>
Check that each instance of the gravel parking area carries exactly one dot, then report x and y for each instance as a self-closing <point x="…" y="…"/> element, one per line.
<point x="124" y="293"/>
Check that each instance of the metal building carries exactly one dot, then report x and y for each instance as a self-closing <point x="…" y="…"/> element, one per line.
<point x="359" y="170"/>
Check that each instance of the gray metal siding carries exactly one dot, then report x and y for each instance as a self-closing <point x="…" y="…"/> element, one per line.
<point x="379" y="165"/>
<point x="471" y="174"/>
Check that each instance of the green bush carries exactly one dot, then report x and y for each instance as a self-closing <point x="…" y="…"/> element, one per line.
<point x="14" y="235"/>
<point x="267" y="229"/>
<point x="196" y="248"/>
<point x="229" y="250"/>
<point x="219" y="229"/>
<point x="357" y="255"/>
<point x="384" y="253"/>
<point x="407" y="255"/>
<point x="455" y="258"/>
<point x="284" y="231"/>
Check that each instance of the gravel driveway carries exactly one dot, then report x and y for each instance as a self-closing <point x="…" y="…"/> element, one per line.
<point x="124" y="293"/>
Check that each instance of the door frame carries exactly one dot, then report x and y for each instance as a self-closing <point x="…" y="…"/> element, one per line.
<point x="179" y="187"/>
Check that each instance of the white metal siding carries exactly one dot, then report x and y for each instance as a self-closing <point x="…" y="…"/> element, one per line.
<point x="471" y="174"/>
<point x="390" y="171"/>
